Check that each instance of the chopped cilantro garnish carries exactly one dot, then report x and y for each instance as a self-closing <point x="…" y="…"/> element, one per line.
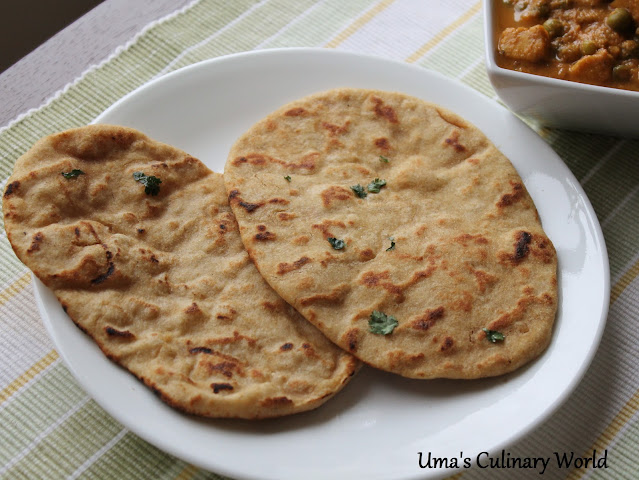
<point x="381" y="324"/>
<point x="493" y="335"/>
<point x="287" y="178"/>
<point x="151" y="183"/>
<point x="392" y="245"/>
<point x="359" y="191"/>
<point x="336" y="243"/>
<point x="384" y="159"/>
<point x="72" y="174"/>
<point x="376" y="185"/>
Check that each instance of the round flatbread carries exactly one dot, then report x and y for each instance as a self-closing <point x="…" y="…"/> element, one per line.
<point x="156" y="273"/>
<point x="399" y="230"/>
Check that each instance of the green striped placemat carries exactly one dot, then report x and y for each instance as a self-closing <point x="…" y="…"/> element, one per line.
<point x="52" y="429"/>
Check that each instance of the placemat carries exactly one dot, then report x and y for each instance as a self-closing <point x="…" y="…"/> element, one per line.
<point x="50" y="428"/>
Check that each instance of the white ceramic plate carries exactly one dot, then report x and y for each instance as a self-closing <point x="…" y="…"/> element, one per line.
<point x="377" y="426"/>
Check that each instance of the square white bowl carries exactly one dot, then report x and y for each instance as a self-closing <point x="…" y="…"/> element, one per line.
<point x="560" y="103"/>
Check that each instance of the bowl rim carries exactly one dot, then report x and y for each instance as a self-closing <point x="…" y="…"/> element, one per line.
<point x="538" y="80"/>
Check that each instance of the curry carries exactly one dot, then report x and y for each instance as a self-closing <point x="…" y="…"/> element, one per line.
<point x="587" y="41"/>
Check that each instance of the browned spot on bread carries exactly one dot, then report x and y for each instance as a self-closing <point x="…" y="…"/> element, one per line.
<point x="301" y="240"/>
<point x="112" y="332"/>
<point x="463" y="301"/>
<point x="273" y="306"/>
<point x="250" y="207"/>
<point x="544" y="250"/>
<point x="253" y="159"/>
<point x="12" y="187"/>
<point x="35" y="243"/>
<point x="398" y="358"/>
<point x="447" y="344"/>
<point x="420" y="275"/>
<point x="300" y="387"/>
<point x="110" y="269"/>
<point x="265" y="236"/>
<point x="279" y="201"/>
<point x="296" y="112"/>
<point x="350" y="338"/>
<point x="508" y="318"/>
<point x="275" y="402"/>
<point x="366" y="255"/>
<point x="521" y="249"/>
<point x="428" y="319"/>
<point x="193" y="308"/>
<point x="326" y="224"/>
<point x="335" y="296"/>
<point x="225" y="368"/>
<point x="235" y="199"/>
<point x="218" y="387"/>
<point x="334" y="193"/>
<point x="372" y="279"/>
<point x="287" y="346"/>
<point x="257" y="159"/>
<point x="384" y="111"/>
<point x="285" y="216"/>
<point x="453" y="141"/>
<point x="283" y="268"/>
<point x="510" y="198"/>
<point x="261" y="228"/>
<point x="484" y="279"/>
<point x="334" y="130"/>
<point x="521" y="245"/>
<point x="195" y="350"/>
<point x="382" y="143"/>
<point x="467" y="238"/>
<point x="474" y="161"/>
<point x="235" y="338"/>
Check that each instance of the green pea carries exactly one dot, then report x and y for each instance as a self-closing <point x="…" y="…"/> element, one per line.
<point x="588" y="47"/>
<point x="554" y="27"/>
<point x="622" y="73"/>
<point x="620" y="20"/>
<point x="543" y="10"/>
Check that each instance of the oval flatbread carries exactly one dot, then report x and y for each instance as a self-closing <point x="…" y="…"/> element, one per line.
<point x="137" y="241"/>
<point x="399" y="230"/>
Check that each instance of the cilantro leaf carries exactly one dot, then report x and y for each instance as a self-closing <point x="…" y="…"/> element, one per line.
<point x="384" y="159"/>
<point x="336" y="243"/>
<point x="72" y="174"/>
<point x="493" y="335"/>
<point x="381" y="324"/>
<point x="287" y="178"/>
<point x="359" y="191"/>
<point x="376" y="185"/>
<point x="392" y="245"/>
<point x="151" y="183"/>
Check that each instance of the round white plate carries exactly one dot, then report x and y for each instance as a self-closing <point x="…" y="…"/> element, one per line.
<point x="376" y="427"/>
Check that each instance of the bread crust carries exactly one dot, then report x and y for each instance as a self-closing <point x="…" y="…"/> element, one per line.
<point x="450" y="245"/>
<point x="162" y="282"/>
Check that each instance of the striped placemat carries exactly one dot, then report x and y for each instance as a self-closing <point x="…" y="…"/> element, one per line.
<point x="50" y="428"/>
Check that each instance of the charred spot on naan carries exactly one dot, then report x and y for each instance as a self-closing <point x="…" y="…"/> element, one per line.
<point x="307" y="162"/>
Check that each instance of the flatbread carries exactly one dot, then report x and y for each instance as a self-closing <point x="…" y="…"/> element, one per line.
<point x="450" y="246"/>
<point x="162" y="282"/>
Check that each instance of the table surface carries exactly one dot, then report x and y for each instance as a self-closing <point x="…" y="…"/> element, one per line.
<point x="51" y="429"/>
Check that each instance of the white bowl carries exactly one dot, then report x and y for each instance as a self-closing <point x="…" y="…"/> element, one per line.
<point x="561" y="103"/>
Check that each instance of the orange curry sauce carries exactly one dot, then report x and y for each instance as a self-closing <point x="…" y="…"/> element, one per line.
<point x="588" y="41"/>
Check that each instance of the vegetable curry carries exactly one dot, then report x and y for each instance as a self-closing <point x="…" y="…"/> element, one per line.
<point x="587" y="41"/>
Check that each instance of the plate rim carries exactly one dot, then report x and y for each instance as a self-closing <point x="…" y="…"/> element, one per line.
<point x="567" y="391"/>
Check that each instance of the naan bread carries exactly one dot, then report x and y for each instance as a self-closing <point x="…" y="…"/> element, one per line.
<point x="162" y="282"/>
<point x="449" y="246"/>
